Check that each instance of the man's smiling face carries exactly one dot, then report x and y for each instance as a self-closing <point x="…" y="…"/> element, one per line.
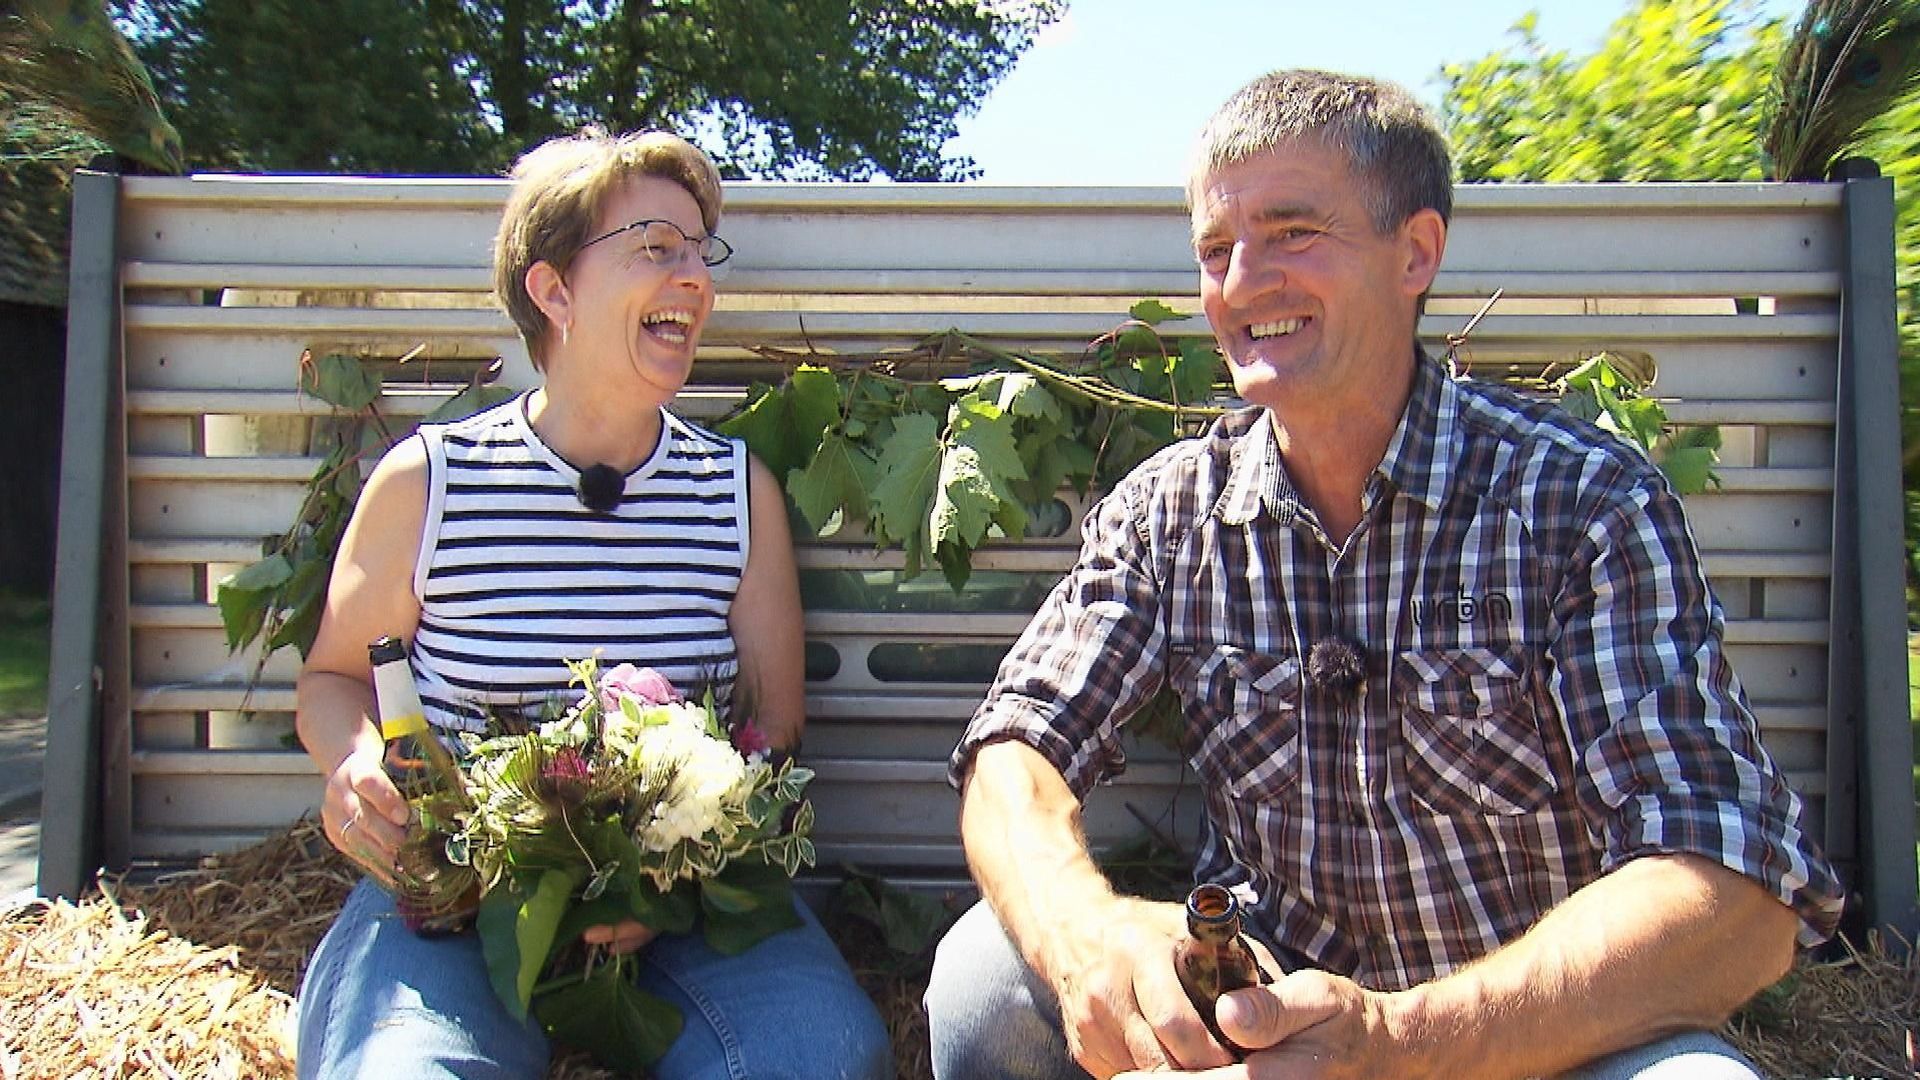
<point x="1308" y="301"/>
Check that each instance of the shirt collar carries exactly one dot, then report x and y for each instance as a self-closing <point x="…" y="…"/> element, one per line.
<point x="1419" y="461"/>
<point x="1421" y="458"/>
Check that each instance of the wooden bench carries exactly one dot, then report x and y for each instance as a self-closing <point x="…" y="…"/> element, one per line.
<point x="1767" y="308"/>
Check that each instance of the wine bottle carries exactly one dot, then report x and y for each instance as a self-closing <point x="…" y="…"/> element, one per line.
<point x="1213" y="959"/>
<point x="434" y="897"/>
<point x="416" y="760"/>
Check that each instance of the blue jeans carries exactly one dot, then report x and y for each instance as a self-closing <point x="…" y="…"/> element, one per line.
<point x="380" y="1001"/>
<point x="992" y="1018"/>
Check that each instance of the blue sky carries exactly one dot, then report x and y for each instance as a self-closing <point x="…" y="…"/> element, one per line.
<point x="1115" y="92"/>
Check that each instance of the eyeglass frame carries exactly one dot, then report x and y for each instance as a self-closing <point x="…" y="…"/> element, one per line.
<point x="711" y="239"/>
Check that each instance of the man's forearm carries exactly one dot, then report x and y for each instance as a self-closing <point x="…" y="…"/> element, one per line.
<point x="1021" y="826"/>
<point x="1661" y="945"/>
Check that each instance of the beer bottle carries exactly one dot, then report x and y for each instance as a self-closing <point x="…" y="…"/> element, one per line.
<point x="1213" y="958"/>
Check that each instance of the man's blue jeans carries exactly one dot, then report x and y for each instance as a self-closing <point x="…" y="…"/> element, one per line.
<point x="380" y="1001"/>
<point x="992" y="1018"/>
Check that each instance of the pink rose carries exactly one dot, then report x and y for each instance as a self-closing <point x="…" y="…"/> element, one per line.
<point x="644" y="685"/>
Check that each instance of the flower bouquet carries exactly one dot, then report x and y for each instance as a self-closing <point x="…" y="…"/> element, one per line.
<point x="633" y="803"/>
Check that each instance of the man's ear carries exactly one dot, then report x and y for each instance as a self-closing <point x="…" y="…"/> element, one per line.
<point x="1425" y="238"/>
<point x="550" y="293"/>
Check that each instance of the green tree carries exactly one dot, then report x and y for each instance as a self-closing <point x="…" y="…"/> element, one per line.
<point x="1678" y="91"/>
<point x="772" y="88"/>
<point x="1674" y="93"/>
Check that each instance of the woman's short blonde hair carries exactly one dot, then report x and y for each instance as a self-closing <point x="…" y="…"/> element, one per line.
<point x="558" y="190"/>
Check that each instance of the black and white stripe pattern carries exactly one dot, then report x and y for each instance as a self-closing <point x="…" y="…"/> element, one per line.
<point x="516" y="576"/>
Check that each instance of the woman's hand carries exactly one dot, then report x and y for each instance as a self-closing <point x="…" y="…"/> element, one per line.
<point x="622" y="937"/>
<point x="363" y="814"/>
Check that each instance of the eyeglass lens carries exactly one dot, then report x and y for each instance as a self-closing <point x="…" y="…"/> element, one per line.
<point x="665" y="245"/>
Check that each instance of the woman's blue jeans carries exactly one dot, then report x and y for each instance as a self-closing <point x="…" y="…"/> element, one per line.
<point x="992" y="1018"/>
<point x="380" y="1001"/>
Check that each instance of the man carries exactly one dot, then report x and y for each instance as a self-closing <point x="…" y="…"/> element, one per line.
<point x="1454" y="689"/>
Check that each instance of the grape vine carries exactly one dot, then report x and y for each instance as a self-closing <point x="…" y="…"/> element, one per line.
<point x="934" y="451"/>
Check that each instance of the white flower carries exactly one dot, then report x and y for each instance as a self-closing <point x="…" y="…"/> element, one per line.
<point x="699" y="778"/>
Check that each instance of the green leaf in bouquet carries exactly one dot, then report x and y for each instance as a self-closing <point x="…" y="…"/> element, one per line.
<point x="731" y="933"/>
<point x="793" y="781"/>
<point x="597" y="884"/>
<point x="500" y="946"/>
<point x="669" y="912"/>
<point x="605" y="910"/>
<point x="535" y="921"/>
<point x="605" y="1014"/>
<point x="718" y="895"/>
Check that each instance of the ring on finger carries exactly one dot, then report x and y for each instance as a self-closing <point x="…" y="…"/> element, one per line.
<point x="348" y="827"/>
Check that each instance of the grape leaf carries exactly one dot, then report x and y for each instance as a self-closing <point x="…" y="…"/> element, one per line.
<point x="246" y="595"/>
<point x="1581" y="403"/>
<point x="1014" y="392"/>
<point x="783" y="426"/>
<point x="468" y="401"/>
<point x="1153" y="312"/>
<point x="1688" y="456"/>
<point x="1195" y="370"/>
<point x="908" y="472"/>
<point x="976" y="488"/>
<point x="340" y="381"/>
<point x="837" y="478"/>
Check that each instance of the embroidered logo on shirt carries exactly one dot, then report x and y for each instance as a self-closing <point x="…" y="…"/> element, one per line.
<point x="1463" y="607"/>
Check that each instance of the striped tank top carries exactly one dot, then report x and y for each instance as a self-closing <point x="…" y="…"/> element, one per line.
<point x="516" y="576"/>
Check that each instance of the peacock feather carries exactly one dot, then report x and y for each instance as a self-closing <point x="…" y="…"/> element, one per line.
<point x="1847" y="63"/>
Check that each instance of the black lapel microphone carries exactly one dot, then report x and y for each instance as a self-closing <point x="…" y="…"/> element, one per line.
<point x="601" y="487"/>
<point x="1335" y="667"/>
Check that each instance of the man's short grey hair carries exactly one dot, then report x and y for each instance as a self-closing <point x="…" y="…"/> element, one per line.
<point x="1390" y="141"/>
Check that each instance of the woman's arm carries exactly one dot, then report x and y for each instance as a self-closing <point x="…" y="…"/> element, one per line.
<point x="768" y="628"/>
<point x="370" y="595"/>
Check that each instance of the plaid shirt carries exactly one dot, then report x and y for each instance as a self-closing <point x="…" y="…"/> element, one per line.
<point x="1545" y="691"/>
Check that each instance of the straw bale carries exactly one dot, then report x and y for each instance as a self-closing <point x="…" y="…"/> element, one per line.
<point x="1856" y="1016"/>
<point x="88" y="990"/>
<point x="192" y="975"/>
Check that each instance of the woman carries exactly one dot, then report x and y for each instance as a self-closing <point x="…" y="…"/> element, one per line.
<point x="581" y="516"/>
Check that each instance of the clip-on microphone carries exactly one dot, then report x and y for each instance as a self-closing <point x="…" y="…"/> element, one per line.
<point x="601" y="487"/>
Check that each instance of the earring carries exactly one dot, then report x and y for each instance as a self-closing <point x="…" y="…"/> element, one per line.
<point x="566" y="328"/>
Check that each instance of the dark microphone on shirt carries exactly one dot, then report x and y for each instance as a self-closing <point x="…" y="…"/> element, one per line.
<point x="1335" y="667"/>
<point x="601" y="487"/>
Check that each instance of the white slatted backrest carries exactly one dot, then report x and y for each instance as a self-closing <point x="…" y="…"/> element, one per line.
<point x="1733" y="289"/>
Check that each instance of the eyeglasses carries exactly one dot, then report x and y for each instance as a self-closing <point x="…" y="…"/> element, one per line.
<point x="664" y="244"/>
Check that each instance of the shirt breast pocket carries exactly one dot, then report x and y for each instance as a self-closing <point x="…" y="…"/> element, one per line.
<point x="1245" y="708"/>
<point x="1472" y="743"/>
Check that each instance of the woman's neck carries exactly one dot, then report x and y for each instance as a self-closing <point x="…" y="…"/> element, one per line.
<point x="594" y="431"/>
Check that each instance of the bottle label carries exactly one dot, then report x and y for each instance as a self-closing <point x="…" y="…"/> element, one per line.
<point x="394" y="727"/>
